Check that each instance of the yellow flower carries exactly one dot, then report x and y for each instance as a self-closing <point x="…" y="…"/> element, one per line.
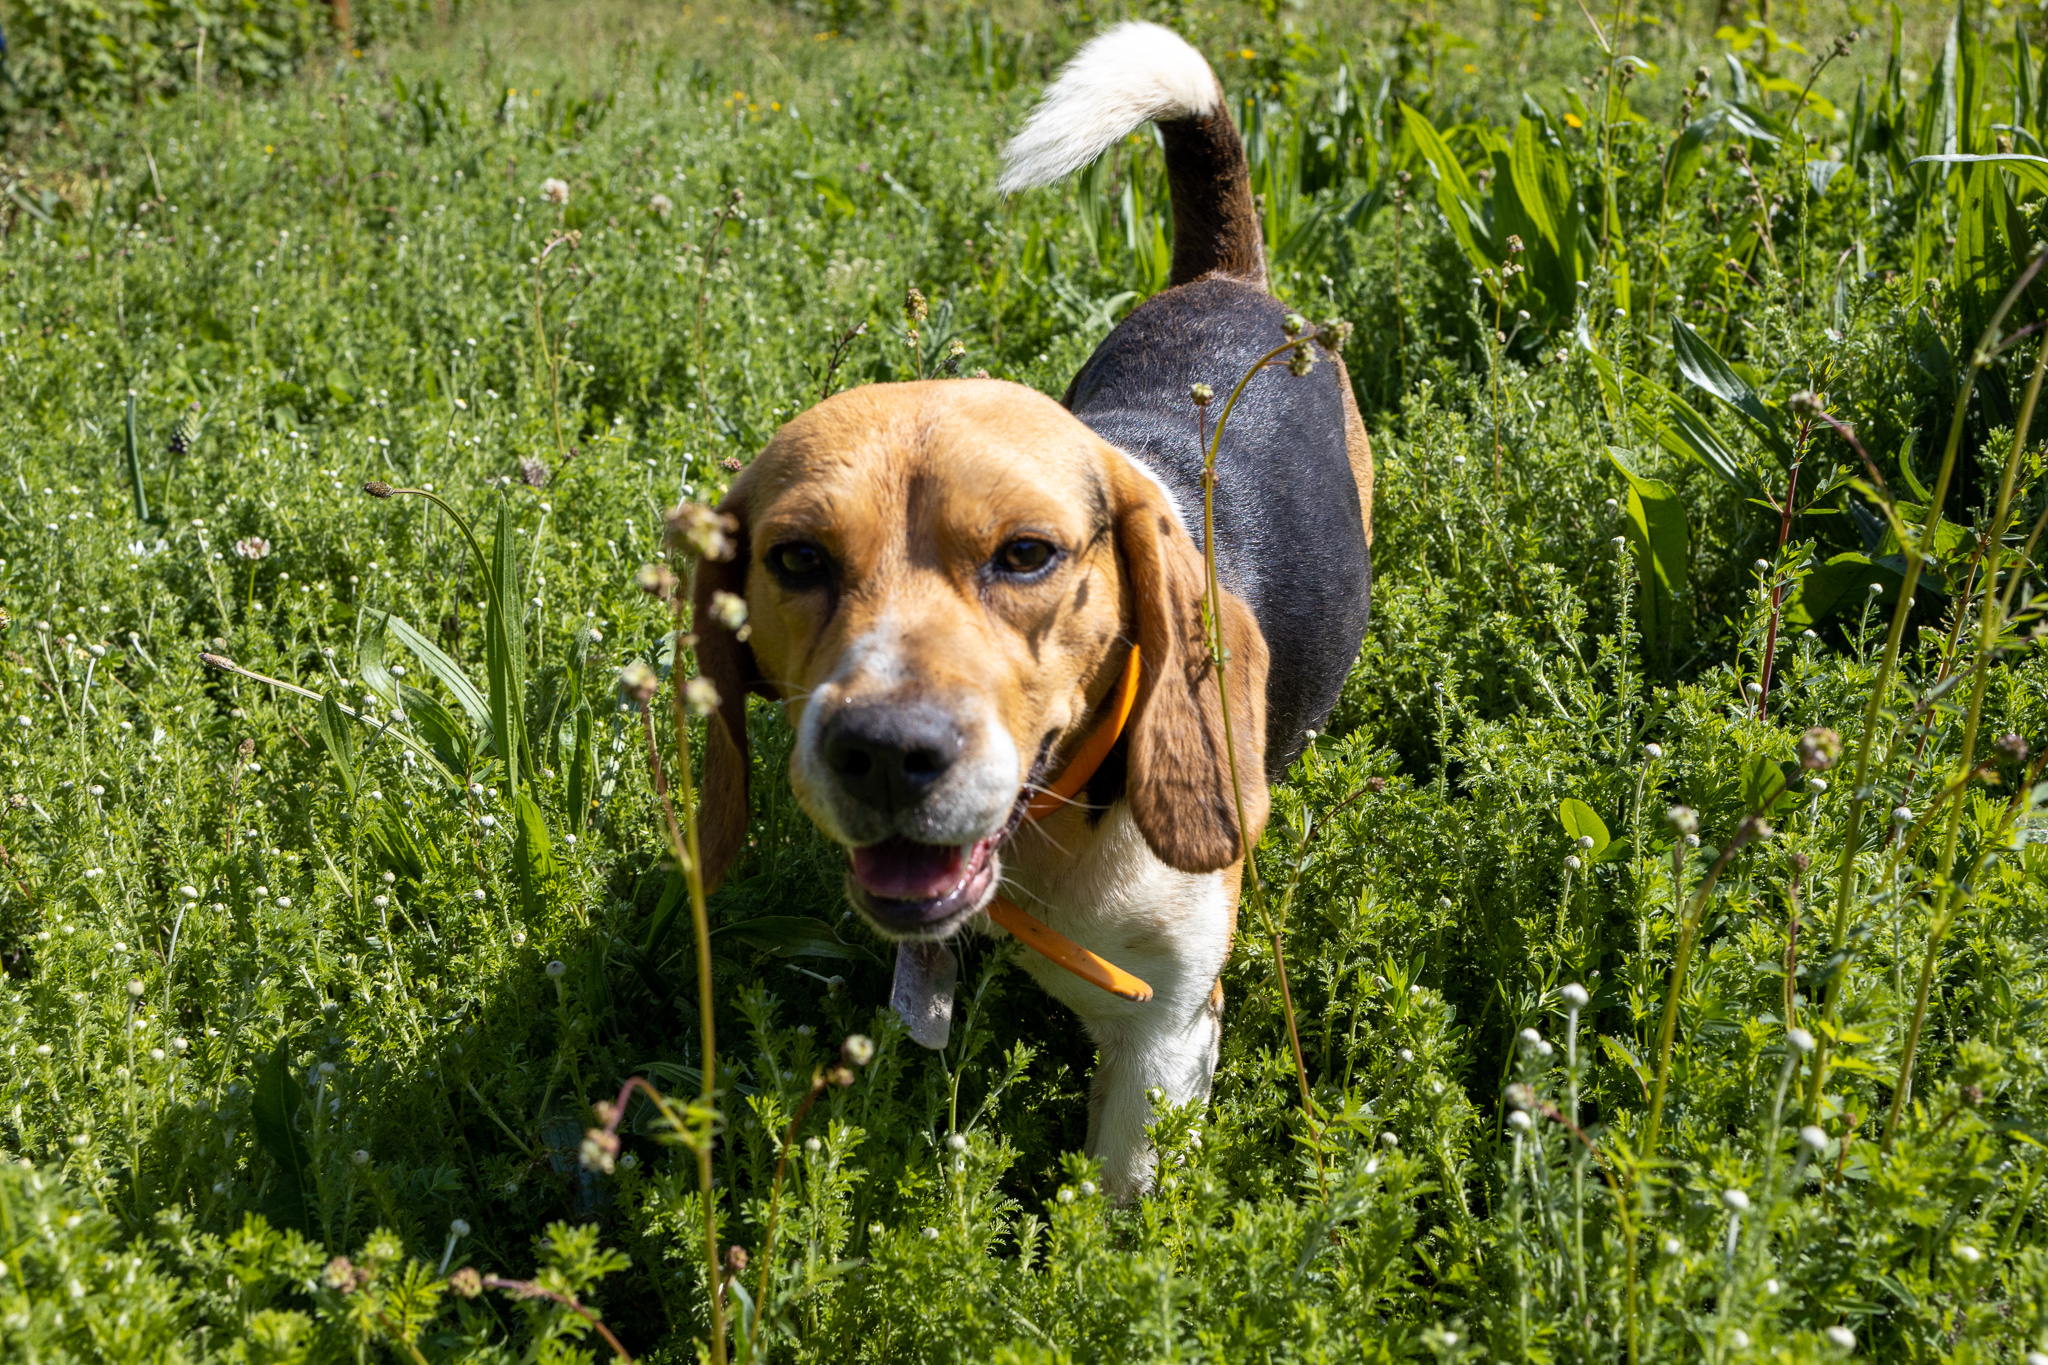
<point x="1471" y="70"/>
<point x="1247" y="53"/>
<point x="1573" y="121"/>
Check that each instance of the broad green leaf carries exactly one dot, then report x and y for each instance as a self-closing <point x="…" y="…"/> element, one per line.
<point x="1580" y="821"/>
<point x="272" y="1108"/>
<point x="1766" y="786"/>
<point x="1688" y="153"/>
<point x="582" y="769"/>
<point x="451" y="740"/>
<point x="2030" y="171"/>
<point x="1662" y="542"/>
<point x="533" y="857"/>
<point x="1820" y="591"/>
<point x="338" y="734"/>
<point x="1454" y="191"/>
<point x="1702" y="364"/>
<point x="440" y="665"/>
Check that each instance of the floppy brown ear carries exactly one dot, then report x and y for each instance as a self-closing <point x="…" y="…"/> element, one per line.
<point x="724" y="658"/>
<point x="1179" y="782"/>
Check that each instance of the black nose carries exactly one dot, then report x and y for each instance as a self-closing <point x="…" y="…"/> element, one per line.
<point x="886" y="756"/>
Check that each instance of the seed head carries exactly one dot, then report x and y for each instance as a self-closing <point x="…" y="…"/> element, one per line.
<point x="700" y="694"/>
<point x="1819" y="748"/>
<point x="1292" y="324"/>
<point x="914" y="306"/>
<point x="656" y="580"/>
<point x="1799" y="1040"/>
<point x="638" y="682"/>
<point x="1202" y="395"/>
<point x="377" y="488"/>
<point x="554" y="190"/>
<point x="466" y="1283"/>
<point x="600" y="1151"/>
<point x="1683" y="819"/>
<point x="2012" y="746"/>
<point x="252" y="547"/>
<point x="736" y="1259"/>
<point x="729" y="609"/>
<point x="1302" y="361"/>
<point x="661" y="205"/>
<point x="1520" y="1097"/>
<point x="859" y="1049"/>
<point x="704" y="531"/>
<point x="533" y="473"/>
<point x="1514" y="244"/>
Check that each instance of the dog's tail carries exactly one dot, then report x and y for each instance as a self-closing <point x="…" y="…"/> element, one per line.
<point x="1136" y="73"/>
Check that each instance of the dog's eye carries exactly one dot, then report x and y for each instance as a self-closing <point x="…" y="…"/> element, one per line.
<point x="798" y="565"/>
<point x="1025" y="555"/>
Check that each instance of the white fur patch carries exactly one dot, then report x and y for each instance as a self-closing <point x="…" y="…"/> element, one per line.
<point x="1132" y="74"/>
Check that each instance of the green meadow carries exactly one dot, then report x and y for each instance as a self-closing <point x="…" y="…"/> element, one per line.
<point x="1663" y="913"/>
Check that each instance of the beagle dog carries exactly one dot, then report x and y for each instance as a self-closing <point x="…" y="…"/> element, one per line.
<point x="947" y="581"/>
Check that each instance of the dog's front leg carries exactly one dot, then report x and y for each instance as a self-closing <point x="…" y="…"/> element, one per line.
<point x="1172" y="1052"/>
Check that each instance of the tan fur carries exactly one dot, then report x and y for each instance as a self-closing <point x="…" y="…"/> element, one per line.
<point x="1357" y="445"/>
<point x="911" y="488"/>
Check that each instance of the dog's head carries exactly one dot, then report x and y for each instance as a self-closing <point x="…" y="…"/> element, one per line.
<point x="944" y="581"/>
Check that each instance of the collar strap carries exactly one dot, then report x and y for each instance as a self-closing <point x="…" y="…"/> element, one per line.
<point x="1094" y="749"/>
<point x="1033" y="932"/>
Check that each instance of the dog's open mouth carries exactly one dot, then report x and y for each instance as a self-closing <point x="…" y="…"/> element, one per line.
<point x="920" y="890"/>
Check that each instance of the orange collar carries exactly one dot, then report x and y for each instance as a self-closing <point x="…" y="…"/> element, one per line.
<point x="1093" y="750"/>
<point x="1026" y="928"/>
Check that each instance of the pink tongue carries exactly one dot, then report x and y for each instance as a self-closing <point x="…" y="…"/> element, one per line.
<point x="900" y="870"/>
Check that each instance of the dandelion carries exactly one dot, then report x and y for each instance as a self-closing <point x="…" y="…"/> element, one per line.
<point x="661" y="206"/>
<point x="555" y="190"/>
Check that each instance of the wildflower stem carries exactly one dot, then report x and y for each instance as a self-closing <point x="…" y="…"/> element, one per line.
<point x="1220" y="659"/>
<point x="682" y="840"/>
<point x="1990" y="623"/>
<point x="775" y="1203"/>
<point x="1915" y="552"/>
<point x="528" y="1289"/>
<point x="1688" y="933"/>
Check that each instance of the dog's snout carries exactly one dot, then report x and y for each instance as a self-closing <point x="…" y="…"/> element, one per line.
<point x="888" y="756"/>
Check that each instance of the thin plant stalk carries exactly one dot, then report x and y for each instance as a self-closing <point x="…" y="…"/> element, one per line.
<point x="1991" y="621"/>
<point x="1915" y="552"/>
<point x="1751" y="828"/>
<point x="1220" y="658"/>
<point x="682" y="841"/>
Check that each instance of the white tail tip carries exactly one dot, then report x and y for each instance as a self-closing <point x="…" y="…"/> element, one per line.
<point x="1130" y="75"/>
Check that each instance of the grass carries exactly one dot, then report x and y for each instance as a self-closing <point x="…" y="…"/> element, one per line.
<point x="1674" y="778"/>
